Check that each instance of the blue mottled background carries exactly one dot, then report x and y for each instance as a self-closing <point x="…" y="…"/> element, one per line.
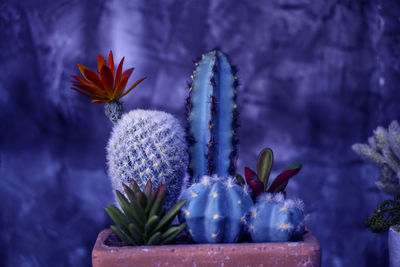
<point x="316" y="76"/>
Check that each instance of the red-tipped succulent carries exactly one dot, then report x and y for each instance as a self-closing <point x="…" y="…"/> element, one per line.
<point x="258" y="182"/>
<point x="106" y="85"/>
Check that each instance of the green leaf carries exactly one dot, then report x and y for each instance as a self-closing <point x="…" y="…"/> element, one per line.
<point x="240" y="180"/>
<point x="118" y="217"/>
<point x="264" y="165"/>
<point x="172" y="233"/>
<point x="132" y="210"/>
<point x="169" y="217"/>
<point x="136" y="234"/>
<point x="154" y="239"/>
<point x="151" y="200"/>
<point x="159" y="200"/>
<point x="148" y="189"/>
<point x="151" y="224"/>
<point x="134" y="186"/>
<point x="124" y="238"/>
<point x="141" y="199"/>
<point x="129" y="193"/>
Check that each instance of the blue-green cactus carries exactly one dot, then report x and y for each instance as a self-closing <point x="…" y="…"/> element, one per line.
<point x="274" y="219"/>
<point x="215" y="210"/>
<point x="212" y="116"/>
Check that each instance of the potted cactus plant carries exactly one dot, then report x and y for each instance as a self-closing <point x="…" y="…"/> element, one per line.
<point x="383" y="150"/>
<point x="148" y="155"/>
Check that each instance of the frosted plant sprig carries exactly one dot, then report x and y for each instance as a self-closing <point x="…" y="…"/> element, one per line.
<point x="383" y="150"/>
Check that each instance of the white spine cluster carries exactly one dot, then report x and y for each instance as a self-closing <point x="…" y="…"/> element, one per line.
<point x="383" y="150"/>
<point x="146" y="144"/>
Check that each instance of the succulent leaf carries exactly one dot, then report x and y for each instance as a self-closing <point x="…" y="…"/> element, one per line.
<point x="264" y="165"/>
<point x="125" y="238"/>
<point x="154" y="239"/>
<point x="151" y="224"/>
<point x="135" y="226"/>
<point x="282" y="179"/>
<point x="169" y="217"/>
<point x="172" y="233"/>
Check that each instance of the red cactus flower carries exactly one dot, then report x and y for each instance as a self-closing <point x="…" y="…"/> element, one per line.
<point x="105" y="85"/>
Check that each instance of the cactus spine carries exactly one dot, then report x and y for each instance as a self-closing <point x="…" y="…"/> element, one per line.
<point x="215" y="210"/>
<point x="274" y="219"/>
<point x="146" y="145"/>
<point x="212" y="117"/>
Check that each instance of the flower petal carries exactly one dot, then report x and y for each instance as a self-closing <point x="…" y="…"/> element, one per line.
<point x="111" y="62"/>
<point x="92" y="77"/>
<point x="124" y="80"/>
<point x="91" y="89"/>
<point x="100" y="62"/>
<point x="82" y="92"/>
<point x="99" y="101"/>
<point x="133" y="86"/>
<point x="119" y="72"/>
<point x="107" y="79"/>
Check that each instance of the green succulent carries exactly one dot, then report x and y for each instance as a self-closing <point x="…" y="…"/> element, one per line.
<point x="385" y="215"/>
<point x="143" y="220"/>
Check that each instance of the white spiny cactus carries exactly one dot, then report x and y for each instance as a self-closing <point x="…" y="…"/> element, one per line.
<point x="145" y="145"/>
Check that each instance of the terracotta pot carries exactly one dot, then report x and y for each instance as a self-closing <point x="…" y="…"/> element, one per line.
<point x="394" y="245"/>
<point x="304" y="253"/>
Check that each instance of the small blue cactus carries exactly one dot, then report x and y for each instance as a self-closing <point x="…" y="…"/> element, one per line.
<point x="215" y="210"/>
<point x="274" y="219"/>
<point x="212" y="114"/>
<point x="146" y="144"/>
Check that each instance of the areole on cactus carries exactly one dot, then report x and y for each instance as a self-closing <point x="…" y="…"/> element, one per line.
<point x="212" y="114"/>
<point x="144" y="144"/>
<point x="274" y="219"/>
<point x="216" y="209"/>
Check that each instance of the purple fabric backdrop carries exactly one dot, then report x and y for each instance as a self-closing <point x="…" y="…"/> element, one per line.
<point x="316" y="76"/>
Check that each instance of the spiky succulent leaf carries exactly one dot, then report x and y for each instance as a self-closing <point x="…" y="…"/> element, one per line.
<point x="151" y="200"/>
<point x="124" y="237"/>
<point x="158" y="201"/>
<point x="172" y="233"/>
<point x="136" y="233"/>
<point x="142" y="200"/>
<point x="136" y="225"/>
<point x="264" y="165"/>
<point x="134" y="186"/>
<point x="131" y="210"/>
<point x="169" y="217"/>
<point x="151" y="224"/>
<point x="118" y="218"/>
<point x="154" y="239"/>
<point x="148" y="189"/>
<point x="129" y="192"/>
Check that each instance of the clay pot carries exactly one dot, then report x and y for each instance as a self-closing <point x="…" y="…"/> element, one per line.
<point x="394" y="245"/>
<point x="304" y="253"/>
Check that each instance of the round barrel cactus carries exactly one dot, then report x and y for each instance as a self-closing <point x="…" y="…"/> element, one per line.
<point x="274" y="219"/>
<point x="146" y="144"/>
<point x="215" y="210"/>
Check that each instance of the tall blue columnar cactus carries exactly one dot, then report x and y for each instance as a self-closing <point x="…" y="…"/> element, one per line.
<point x="212" y="117"/>
<point x="274" y="219"/>
<point x="215" y="210"/>
<point x="144" y="145"/>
